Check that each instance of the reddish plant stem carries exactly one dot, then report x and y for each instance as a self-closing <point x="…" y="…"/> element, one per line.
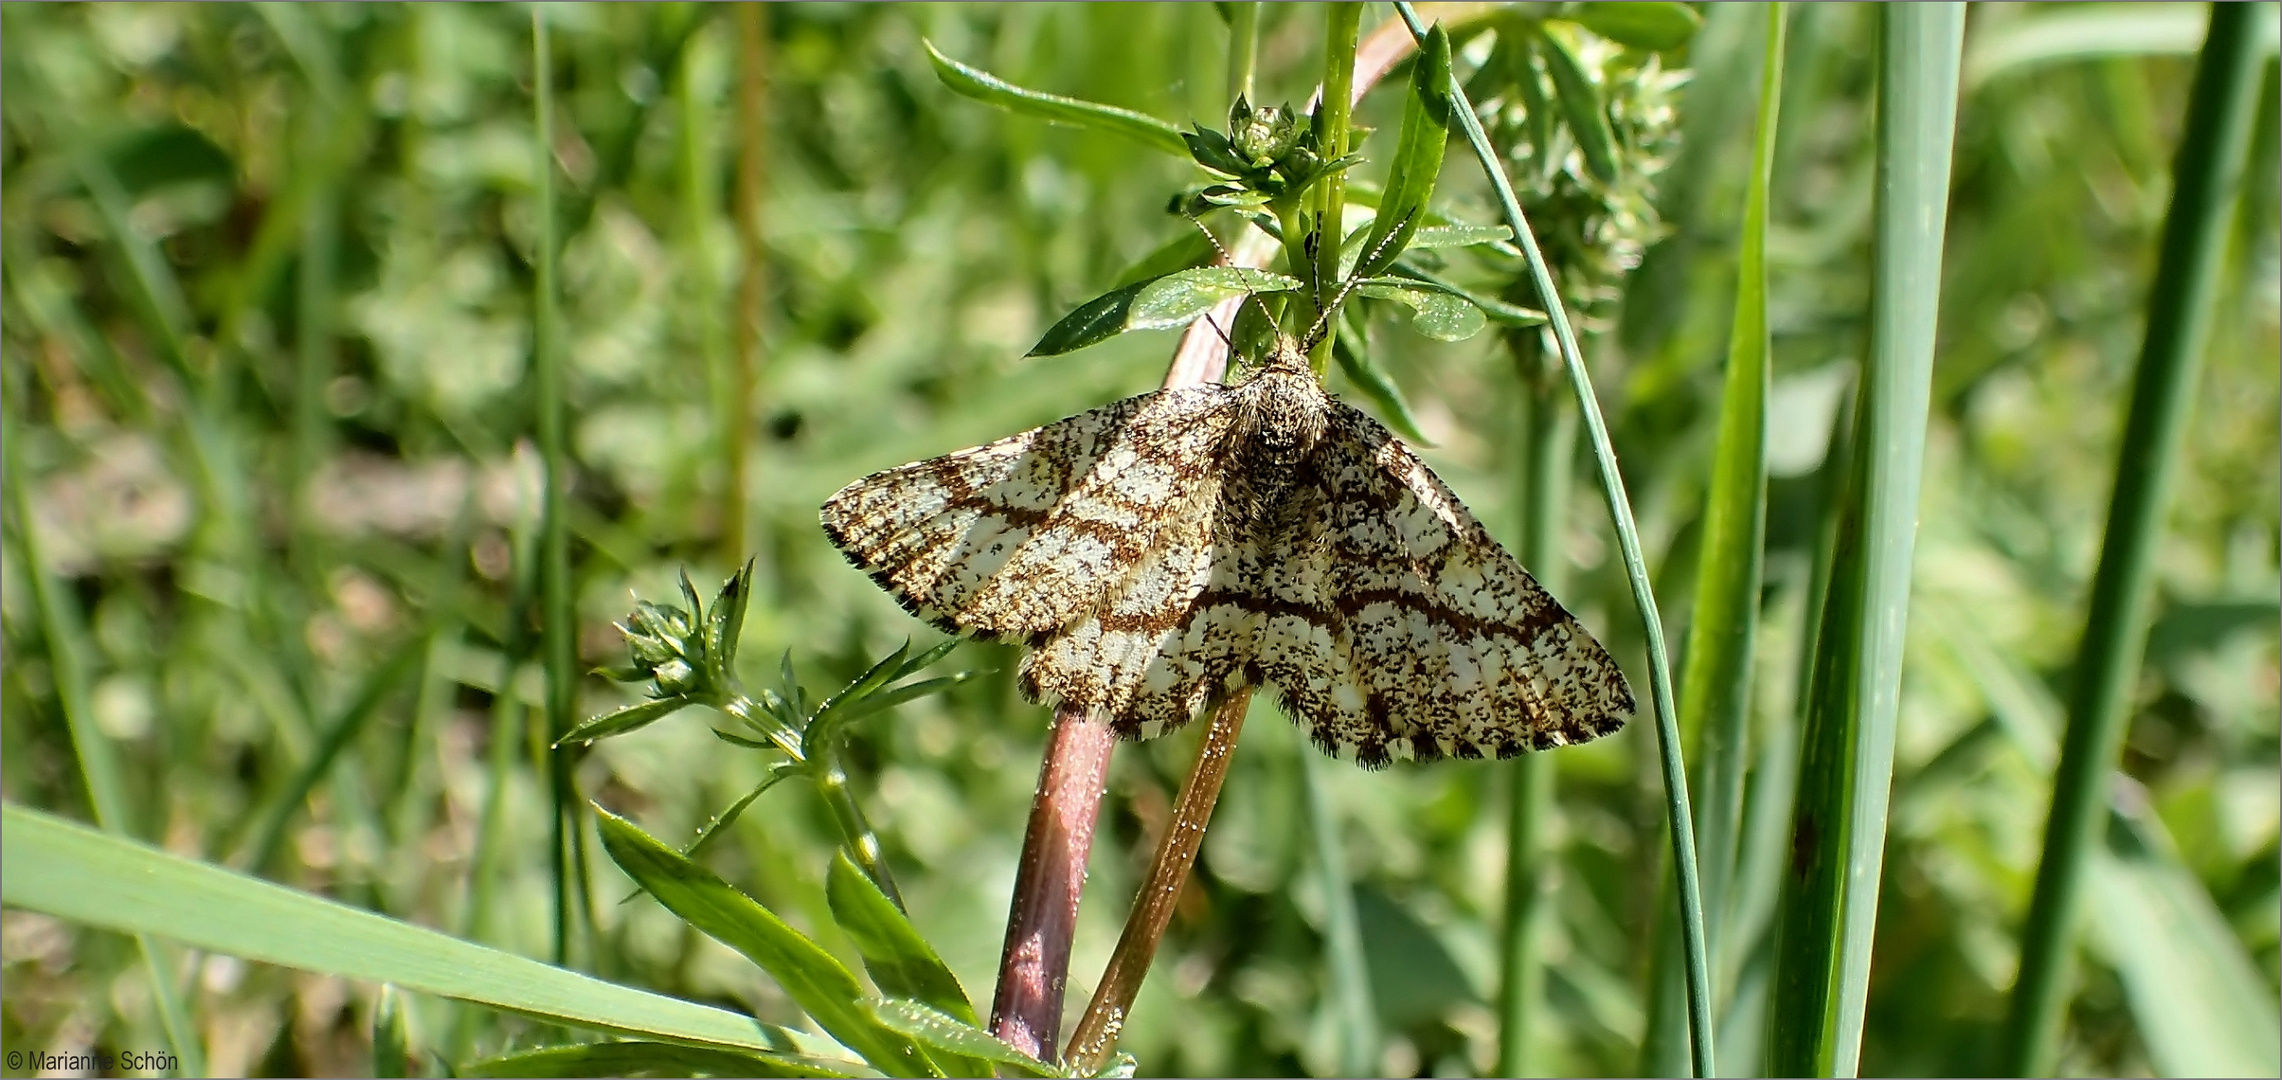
<point x="1035" y="965"/>
<point x="1097" y="1033"/>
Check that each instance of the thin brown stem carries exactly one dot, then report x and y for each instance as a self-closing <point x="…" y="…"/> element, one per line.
<point x="1035" y="965"/>
<point x="1097" y="1032"/>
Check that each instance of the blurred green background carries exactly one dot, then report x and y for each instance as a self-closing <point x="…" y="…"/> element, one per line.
<point x="267" y="338"/>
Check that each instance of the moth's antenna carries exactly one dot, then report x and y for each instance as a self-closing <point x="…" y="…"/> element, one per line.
<point x="1323" y="319"/>
<point x="1228" y="259"/>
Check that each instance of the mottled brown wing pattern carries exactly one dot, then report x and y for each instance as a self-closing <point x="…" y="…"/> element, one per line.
<point x="1395" y="627"/>
<point x="1024" y="535"/>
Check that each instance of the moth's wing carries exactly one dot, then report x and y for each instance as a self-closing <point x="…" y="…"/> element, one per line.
<point x="1014" y="537"/>
<point x="1176" y="632"/>
<point x="1396" y="627"/>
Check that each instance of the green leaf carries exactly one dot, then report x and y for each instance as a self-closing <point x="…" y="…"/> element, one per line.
<point x="1174" y="299"/>
<point x="1500" y="311"/>
<point x="1581" y="104"/>
<point x="900" y="961"/>
<point x="1351" y="349"/>
<point x="1828" y="903"/>
<point x="620" y="721"/>
<point x="941" y="1031"/>
<point x="67" y="870"/>
<point x="2191" y="275"/>
<point x="2198" y="1000"/>
<point x="1191" y="248"/>
<point x="874" y="677"/>
<point x="986" y="87"/>
<point x="1648" y="25"/>
<point x="647" y="1059"/>
<point x="1450" y="236"/>
<point x="1180" y="298"/>
<point x="1436" y="313"/>
<point x="1529" y="86"/>
<point x="815" y="981"/>
<point x="1095" y="321"/>
<point x="927" y="659"/>
<point x="899" y="695"/>
<point x="1417" y="159"/>
<point x="1715" y="677"/>
<point x="390" y="1054"/>
<point x="726" y="622"/>
<point x="729" y="816"/>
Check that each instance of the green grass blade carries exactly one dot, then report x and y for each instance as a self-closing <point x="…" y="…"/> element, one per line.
<point x="2206" y="174"/>
<point x="1417" y="158"/>
<point x="337" y="736"/>
<point x="822" y="987"/>
<point x="1829" y="902"/>
<point x="51" y="865"/>
<point x="901" y="962"/>
<point x="62" y="627"/>
<point x="1672" y="762"/>
<point x="647" y="1059"/>
<point x="1350" y="988"/>
<point x="558" y="634"/>
<point x="961" y="1041"/>
<point x="1548" y="458"/>
<point x="990" y="89"/>
<point x="391" y="1046"/>
<point x="1715" y="682"/>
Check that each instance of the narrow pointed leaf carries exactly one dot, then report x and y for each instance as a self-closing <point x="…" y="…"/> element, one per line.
<point x="899" y="695"/>
<point x="1417" y="159"/>
<point x="1648" y="25"/>
<point x="75" y="873"/>
<point x="827" y="991"/>
<point x="619" y="722"/>
<point x="1182" y="297"/>
<point x="1579" y="96"/>
<point x="900" y="961"/>
<point x="941" y="1031"/>
<point x="646" y="1059"/>
<point x="1450" y="236"/>
<point x="391" y="1056"/>
<point x="986" y="87"/>
<point x="1435" y="313"/>
<point x="1095" y="321"/>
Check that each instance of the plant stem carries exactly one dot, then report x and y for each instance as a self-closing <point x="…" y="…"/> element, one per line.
<point x="752" y="286"/>
<point x="831" y="780"/>
<point x="1547" y="459"/>
<point x="1035" y="964"/>
<point x="1342" y="23"/>
<point x="1096" y="1036"/>
<point x="2205" y="179"/>
<point x="558" y="631"/>
<point x="1828" y="906"/>
<point x="1243" y="47"/>
<point x="1636" y="571"/>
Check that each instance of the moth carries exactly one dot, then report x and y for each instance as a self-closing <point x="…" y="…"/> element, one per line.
<point x="1179" y="544"/>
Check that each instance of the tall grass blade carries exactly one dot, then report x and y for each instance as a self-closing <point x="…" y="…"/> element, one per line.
<point x="2206" y="174"/>
<point x="73" y="872"/>
<point x="1669" y="754"/>
<point x="62" y="627"/>
<point x="1350" y="990"/>
<point x="1548" y="458"/>
<point x="1715" y="679"/>
<point x="1829" y="902"/>
<point x="558" y="634"/>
